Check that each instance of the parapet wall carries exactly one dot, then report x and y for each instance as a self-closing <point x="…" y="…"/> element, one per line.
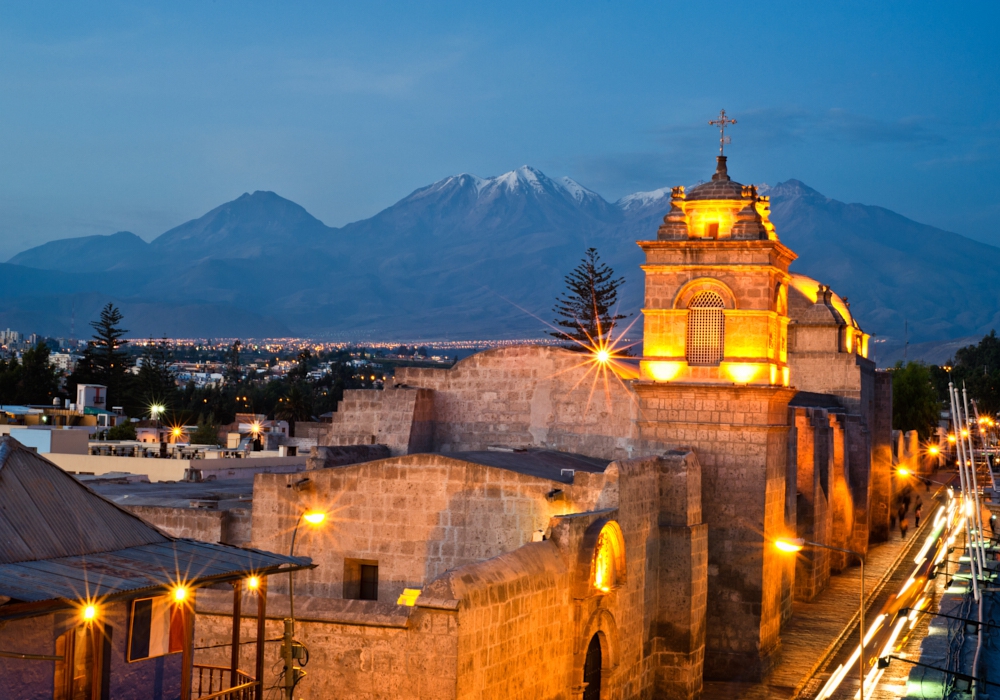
<point x="530" y="396"/>
<point x="226" y="526"/>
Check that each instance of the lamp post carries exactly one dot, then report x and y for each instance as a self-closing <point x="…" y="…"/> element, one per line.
<point x="797" y="544"/>
<point x="315" y="518"/>
<point x="904" y="472"/>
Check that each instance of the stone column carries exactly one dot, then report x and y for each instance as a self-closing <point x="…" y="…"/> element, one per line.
<point x="739" y="434"/>
<point x="682" y="587"/>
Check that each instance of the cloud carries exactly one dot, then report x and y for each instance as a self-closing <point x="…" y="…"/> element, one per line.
<point x="776" y="126"/>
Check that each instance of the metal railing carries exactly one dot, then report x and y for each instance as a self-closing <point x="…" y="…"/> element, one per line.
<point x="213" y="683"/>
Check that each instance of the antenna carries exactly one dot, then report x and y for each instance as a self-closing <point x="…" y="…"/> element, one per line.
<point x="906" y="338"/>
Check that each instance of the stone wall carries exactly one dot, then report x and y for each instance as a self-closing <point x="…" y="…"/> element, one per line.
<point x="529" y="396"/>
<point x="417" y="516"/>
<point x="357" y="649"/>
<point x="814" y="486"/>
<point x="226" y="526"/>
<point x="740" y="435"/>
<point x="881" y="458"/>
<point x="399" y="418"/>
<point x="499" y="615"/>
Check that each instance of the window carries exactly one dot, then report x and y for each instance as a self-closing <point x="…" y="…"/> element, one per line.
<point x="369" y="582"/>
<point x="360" y="579"/>
<point x="156" y="628"/>
<point x="608" y="565"/>
<point x="712" y="230"/>
<point x="85" y="651"/>
<point x="706" y="329"/>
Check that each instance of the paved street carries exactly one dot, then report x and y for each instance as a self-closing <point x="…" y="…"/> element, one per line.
<point x="823" y="633"/>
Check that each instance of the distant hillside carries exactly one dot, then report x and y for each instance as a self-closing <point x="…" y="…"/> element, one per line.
<point x="472" y="257"/>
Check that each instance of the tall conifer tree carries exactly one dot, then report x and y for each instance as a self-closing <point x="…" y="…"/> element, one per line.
<point x="587" y="308"/>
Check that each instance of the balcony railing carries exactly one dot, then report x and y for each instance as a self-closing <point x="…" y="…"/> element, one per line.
<point x="213" y="683"/>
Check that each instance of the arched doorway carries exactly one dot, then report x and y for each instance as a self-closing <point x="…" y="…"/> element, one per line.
<point x="592" y="670"/>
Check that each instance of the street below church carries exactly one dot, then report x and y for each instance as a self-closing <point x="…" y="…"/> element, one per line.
<point x="823" y="634"/>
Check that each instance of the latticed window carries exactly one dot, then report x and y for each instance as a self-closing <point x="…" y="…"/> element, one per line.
<point x="706" y="329"/>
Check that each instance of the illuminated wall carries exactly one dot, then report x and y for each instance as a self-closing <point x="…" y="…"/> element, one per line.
<point x="748" y="271"/>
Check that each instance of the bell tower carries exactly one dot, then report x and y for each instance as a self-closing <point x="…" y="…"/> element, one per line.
<point x="717" y="279"/>
<point x="714" y="375"/>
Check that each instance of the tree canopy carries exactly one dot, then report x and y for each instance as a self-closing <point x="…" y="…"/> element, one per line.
<point x="977" y="368"/>
<point x="588" y="307"/>
<point x="915" y="404"/>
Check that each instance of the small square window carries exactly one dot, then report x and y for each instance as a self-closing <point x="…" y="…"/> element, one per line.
<point x="360" y="579"/>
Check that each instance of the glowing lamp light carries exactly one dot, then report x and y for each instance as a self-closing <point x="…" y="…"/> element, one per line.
<point x="176" y="432"/>
<point x="790" y="545"/>
<point x="255" y="428"/>
<point x="408" y="597"/>
<point x="314" y="517"/>
<point x="965" y="433"/>
<point x="742" y="372"/>
<point x="603" y="356"/>
<point x="89" y="613"/>
<point x="253" y="583"/>
<point x="180" y="594"/>
<point x="903" y="471"/>
<point x="933" y="450"/>
<point x="155" y="410"/>
<point x="663" y="371"/>
<point x="951" y="439"/>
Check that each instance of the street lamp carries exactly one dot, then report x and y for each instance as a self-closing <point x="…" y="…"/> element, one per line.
<point x="314" y="518"/>
<point x="797" y="544"/>
<point x="904" y="472"/>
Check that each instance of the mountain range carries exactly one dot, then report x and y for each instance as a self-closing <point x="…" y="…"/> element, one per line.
<point x="469" y="257"/>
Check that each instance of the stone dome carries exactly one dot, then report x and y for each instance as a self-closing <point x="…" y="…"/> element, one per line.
<point x="720" y="187"/>
<point x="810" y="301"/>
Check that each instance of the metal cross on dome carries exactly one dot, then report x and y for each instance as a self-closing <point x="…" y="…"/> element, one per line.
<point x="722" y="123"/>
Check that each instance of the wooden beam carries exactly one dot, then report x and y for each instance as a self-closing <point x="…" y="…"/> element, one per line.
<point x="261" y="634"/>
<point x="187" y="654"/>
<point x="234" y="664"/>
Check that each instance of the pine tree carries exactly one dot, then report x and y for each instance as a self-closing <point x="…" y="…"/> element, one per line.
<point x="234" y="372"/>
<point x="104" y="361"/>
<point x="586" y="308"/>
<point x="39" y="380"/>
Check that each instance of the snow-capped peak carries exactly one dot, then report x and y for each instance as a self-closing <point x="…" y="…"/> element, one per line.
<point x="643" y="199"/>
<point x="575" y="189"/>
<point x="523" y="178"/>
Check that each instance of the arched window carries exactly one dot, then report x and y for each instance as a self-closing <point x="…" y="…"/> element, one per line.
<point x="592" y="670"/>
<point x="608" y="567"/>
<point x="706" y="329"/>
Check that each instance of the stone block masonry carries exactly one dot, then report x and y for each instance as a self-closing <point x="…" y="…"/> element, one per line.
<point x="740" y="435"/>
<point x="226" y="526"/>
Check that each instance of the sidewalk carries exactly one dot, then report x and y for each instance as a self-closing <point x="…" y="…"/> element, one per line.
<point x="818" y="629"/>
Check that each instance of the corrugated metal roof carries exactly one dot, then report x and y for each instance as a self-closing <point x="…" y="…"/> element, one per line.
<point x="152" y="566"/>
<point x="60" y="541"/>
<point x="45" y="513"/>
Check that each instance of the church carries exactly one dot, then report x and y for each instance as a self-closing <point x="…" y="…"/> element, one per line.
<point x="557" y="524"/>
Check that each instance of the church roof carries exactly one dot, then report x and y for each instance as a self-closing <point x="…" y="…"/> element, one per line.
<point x="803" y="295"/>
<point x="721" y="185"/>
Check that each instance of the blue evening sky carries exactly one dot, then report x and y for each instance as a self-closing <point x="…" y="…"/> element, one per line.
<point x="140" y="116"/>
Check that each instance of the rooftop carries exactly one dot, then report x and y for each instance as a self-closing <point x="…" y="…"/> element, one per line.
<point x="547" y="464"/>
<point x="721" y="185"/>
